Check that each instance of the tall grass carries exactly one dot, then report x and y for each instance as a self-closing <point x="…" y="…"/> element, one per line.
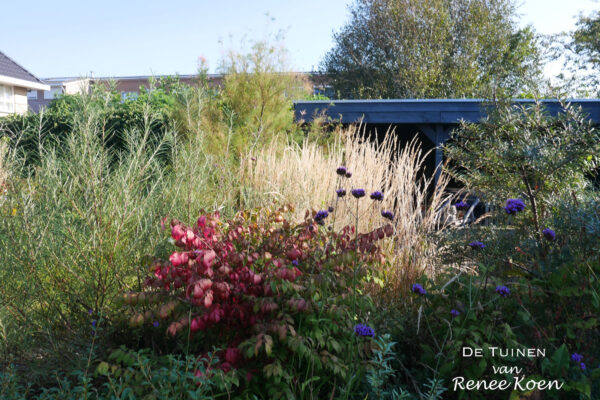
<point x="305" y="177"/>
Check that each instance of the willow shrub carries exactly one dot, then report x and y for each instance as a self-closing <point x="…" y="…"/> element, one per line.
<point x="77" y="229"/>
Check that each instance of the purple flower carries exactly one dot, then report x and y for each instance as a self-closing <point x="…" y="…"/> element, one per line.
<point x="94" y="322"/>
<point x="514" y="206"/>
<point x="418" y="289"/>
<point x="90" y="311"/>
<point x="341" y="171"/>
<point x="364" y="330"/>
<point x="321" y="215"/>
<point x="377" y="195"/>
<point x="295" y="263"/>
<point x="477" y="245"/>
<point x="502" y="290"/>
<point x="461" y="205"/>
<point x="387" y="215"/>
<point x="582" y="366"/>
<point x="358" y="193"/>
<point x="348" y="174"/>
<point x="155" y="324"/>
<point x="341" y="192"/>
<point x="454" y="313"/>
<point x="576" y="357"/>
<point x="549" y="234"/>
<point x="330" y="209"/>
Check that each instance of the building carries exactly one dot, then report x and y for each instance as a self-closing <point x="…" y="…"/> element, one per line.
<point x="15" y="81"/>
<point x="128" y="86"/>
<point x="431" y="120"/>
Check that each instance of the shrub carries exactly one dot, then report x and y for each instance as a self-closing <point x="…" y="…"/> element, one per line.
<point x="280" y="298"/>
<point x="522" y="151"/>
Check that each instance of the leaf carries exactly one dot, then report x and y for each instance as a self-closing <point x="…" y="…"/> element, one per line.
<point x="102" y="368"/>
<point x="268" y="344"/>
<point x="560" y="359"/>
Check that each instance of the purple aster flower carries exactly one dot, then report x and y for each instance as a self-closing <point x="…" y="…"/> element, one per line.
<point x="295" y="263"/>
<point x="155" y="324"/>
<point x="348" y="174"/>
<point x="418" y="289"/>
<point x="454" y="313"/>
<point x="502" y="290"/>
<point x="514" y="206"/>
<point x="461" y="205"/>
<point x="377" y="195"/>
<point x="364" y="330"/>
<point x="387" y="215"/>
<point x="94" y="322"/>
<point x="358" y="193"/>
<point x="477" y="245"/>
<point x="549" y="234"/>
<point x="330" y="209"/>
<point x="90" y="311"/>
<point x="341" y="192"/>
<point x="582" y="366"/>
<point x="341" y="171"/>
<point x="576" y="357"/>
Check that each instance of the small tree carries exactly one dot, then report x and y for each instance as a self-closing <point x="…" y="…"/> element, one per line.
<point x="257" y="93"/>
<point x="522" y="151"/>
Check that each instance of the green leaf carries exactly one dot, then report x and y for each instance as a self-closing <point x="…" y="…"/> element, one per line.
<point x="560" y="359"/>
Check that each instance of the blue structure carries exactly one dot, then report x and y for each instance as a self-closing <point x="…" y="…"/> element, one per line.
<point x="434" y="118"/>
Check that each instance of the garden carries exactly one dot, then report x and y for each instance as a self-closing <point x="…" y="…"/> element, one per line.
<point x="195" y="242"/>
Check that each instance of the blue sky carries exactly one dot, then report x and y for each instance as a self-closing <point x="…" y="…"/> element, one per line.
<point x="132" y="37"/>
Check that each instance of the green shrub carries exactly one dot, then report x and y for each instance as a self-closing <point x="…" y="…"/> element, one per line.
<point x="523" y="152"/>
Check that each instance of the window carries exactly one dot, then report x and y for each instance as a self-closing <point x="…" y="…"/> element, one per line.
<point x="129" y="96"/>
<point x="53" y="93"/>
<point x="32" y="94"/>
<point x="7" y="99"/>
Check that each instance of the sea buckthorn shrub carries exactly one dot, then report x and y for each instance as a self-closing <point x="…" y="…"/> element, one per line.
<point x="281" y="300"/>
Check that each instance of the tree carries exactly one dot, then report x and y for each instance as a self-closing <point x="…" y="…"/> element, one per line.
<point x="433" y="48"/>
<point x="580" y="52"/>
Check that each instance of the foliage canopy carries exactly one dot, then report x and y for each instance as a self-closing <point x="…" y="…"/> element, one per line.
<point x="433" y="48"/>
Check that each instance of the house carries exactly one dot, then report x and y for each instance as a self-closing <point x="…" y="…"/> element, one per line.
<point x="15" y="81"/>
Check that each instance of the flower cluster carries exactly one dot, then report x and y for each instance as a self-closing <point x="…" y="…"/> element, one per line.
<point x="320" y="216"/>
<point x="502" y="290"/>
<point x="364" y="330"/>
<point x="418" y="289"/>
<point x="477" y="245"/>
<point x="549" y="234"/>
<point x="377" y="196"/>
<point x="578" y="358"/>
<point x="387" y="215"/>
<point x="454" y="313"/>
<point x="343" y="171"/>
<point x="461" y="205"/>
<point x="358" y="193"/>
<point x="341" y="192"/>
<point x="514" y="206"/>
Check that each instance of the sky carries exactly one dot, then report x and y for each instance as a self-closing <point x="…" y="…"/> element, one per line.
<point x="62" y="38"/>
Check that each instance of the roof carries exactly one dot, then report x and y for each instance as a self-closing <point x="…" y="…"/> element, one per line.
<point x="417" y="111"/>
<point x="9" y="67"/>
